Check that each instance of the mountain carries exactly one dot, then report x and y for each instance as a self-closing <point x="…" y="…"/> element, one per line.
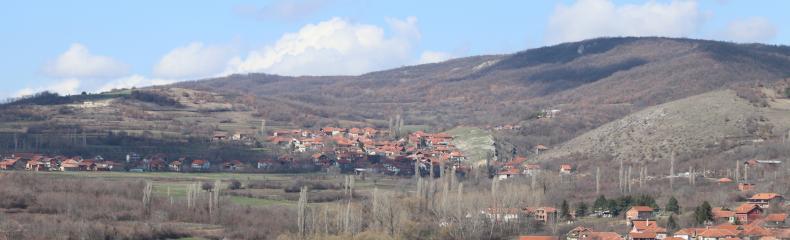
<point x="591" y="82"/>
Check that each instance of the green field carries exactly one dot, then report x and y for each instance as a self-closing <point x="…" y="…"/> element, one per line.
<point x="173" y="184"/>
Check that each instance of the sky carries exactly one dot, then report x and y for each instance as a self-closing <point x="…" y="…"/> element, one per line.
<point x="74" y="46"/>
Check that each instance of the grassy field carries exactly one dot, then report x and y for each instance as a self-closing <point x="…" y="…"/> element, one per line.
<point x="172" y="184"/>
<point x="476" y="143"/>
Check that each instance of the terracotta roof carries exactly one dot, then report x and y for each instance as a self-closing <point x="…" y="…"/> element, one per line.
<point x="717" y="233"/>
<point x="764" y="196"/>
<point x="643" y="234"/>
<point x="776" y="217"/>
<point x="745" y="208"/>
<point x="603" y="236"/>
<point x="651" y="226"/>
<point x="641" y="208"/>
<point x="721" y="213"/>
<point x="724" y="180"/>
<point x="689" y="231"/>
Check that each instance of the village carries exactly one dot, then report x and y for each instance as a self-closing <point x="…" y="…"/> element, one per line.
<point x="761" y="216"/>
<point x="369" y="151"/>
<point x="347" y="150"/>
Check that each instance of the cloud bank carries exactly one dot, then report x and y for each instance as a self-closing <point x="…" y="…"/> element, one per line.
<point x="585" y="19"/>
<point x="79" y="62"/>
<point x="749" y="30"/>
<point x="334" y="47"/>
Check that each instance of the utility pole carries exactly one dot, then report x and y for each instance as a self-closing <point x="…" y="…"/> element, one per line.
<point x="672" y="172"/>
<point x="598" y="181"/>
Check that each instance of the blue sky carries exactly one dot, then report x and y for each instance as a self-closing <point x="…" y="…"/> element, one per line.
<point x="74" y="46"/>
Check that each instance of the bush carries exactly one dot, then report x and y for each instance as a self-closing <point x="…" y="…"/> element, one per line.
<point x="234" y="184"/>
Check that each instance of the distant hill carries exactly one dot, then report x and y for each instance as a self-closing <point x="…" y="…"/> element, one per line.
<point x="591" y="82"/>
<point x="691" y="127"/>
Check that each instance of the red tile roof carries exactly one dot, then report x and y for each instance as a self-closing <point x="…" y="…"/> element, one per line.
<point x="764" y="196"/>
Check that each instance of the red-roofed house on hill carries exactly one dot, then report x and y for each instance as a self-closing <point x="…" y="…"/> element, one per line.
<point x="647" y="229"/>
<point x="566" y="169"/>
<point x="775" y="220"/>
<point x="747" y="213"/>
<point x="637" y="213"/>
<point x="764" y="200"/>
<point x="723" y="215"/>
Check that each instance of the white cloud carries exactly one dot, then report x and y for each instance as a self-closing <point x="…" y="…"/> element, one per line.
<point x="78" y="62"/>
<point x="433" y="57"/>
<point x="133" y="81"/>
<point x="755" y="29"/>
<point x="586" y="19"/>
<point x="63" y="87"/>
<point x="334" y="47"/>
<point x="195" y="60"/>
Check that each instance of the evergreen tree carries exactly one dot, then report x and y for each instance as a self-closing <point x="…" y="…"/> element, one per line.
<point x="581" y="209"/>
<point x="600" y="203"/>
<point x="672" y="206"/>
<point x="671" y="224"/>
<point x="703" y="213"/>
<point x="565" y="211"/>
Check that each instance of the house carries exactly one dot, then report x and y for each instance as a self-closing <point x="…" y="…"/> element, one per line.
<point x="717" y="234"/>
<point x="637" y="213"/>
<point x="647" y="229"/>
<point x="507" y="173"/>
<point x="234" y="165"/>
<point x="531" y="168"/>
<point x="724" y="181"/>
<point x="265" y="164"/>
<point x="12" y="164"/>
<point x="566" y="169"/>
<point x="540" y="148"/>
<point x="36" y="165"/>
<point x="69" y="165"/>
<point x="200" y="164"/>
<point x="105" y="165"/>
<point x="642" y="236"/>
<point x="764" y="200"/>
<point x="745" y="187"/>
<point x="723" y="215"/>
<point x="688" y="233"/>
<point x="175" y="166"/>
<point x="583" y="233"/>
<point x="87" y="165"/>
<point x="543" y="214"/>
<point x="775" y="220"/>
<point x="219" y="136"/>
<point x="746" y="213"/>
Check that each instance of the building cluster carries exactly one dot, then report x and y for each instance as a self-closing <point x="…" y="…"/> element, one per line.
<point x="749" y="220"/>
<point x="371" y="150"/>
<point x="519" y="167"/>
<point x="40" y="162"/>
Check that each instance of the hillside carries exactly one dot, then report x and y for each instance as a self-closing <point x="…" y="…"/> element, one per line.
<point x="591" y="82"/>
<point x="691" y="127"/>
